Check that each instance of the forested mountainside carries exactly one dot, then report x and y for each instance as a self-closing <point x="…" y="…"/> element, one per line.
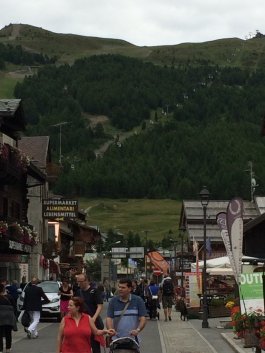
<point x="199" y="125"/>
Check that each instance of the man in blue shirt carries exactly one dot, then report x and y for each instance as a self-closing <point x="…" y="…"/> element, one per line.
<point x="132" y="321"/>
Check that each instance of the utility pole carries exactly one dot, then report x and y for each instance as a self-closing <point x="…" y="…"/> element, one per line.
<point x="60" y="138"/>
<point x="253" y="183"/>
<point x="145" y="252"/>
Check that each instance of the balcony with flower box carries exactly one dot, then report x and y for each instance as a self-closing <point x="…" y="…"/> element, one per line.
<point x="13" y="164"/>
<point x="14" y="236"/>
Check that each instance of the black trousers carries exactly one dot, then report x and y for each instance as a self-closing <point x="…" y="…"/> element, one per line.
<point x="95" y="345"/>
<point x="5" y="331"/>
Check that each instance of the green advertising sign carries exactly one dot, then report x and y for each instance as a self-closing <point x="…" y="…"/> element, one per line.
<point x="251" y="292"/>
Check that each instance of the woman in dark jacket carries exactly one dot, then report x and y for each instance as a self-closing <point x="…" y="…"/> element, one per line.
<point x="7" y="318"/>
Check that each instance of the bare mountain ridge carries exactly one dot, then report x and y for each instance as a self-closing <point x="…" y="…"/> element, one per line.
<point x="69" y="47"/>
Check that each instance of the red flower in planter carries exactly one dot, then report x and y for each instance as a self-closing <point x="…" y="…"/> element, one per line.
<point x="262" y="343"/>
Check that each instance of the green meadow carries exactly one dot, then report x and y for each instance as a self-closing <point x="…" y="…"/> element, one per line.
<point x="158" y="217"/>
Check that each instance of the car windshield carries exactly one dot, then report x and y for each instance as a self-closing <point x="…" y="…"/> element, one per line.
<point x="49" y="287"/>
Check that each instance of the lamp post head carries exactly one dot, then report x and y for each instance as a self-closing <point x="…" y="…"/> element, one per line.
<point x="204" y="195"/>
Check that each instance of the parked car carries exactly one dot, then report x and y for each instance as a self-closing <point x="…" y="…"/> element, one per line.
<point x="51" y="289"/>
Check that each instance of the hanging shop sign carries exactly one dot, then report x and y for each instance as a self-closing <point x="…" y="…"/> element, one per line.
<point x="59" y="209"/>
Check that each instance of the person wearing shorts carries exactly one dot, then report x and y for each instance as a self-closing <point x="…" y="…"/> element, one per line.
<point x="167" y="291"/>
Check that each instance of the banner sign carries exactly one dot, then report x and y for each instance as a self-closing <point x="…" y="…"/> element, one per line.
<point x="59" y="208"/>
<point x="251" y="292"/>
<point x="192" y="290"/>
<point x="235" y="230"/>
<point x="231" y="227"/>
<point x="221" y="221"/>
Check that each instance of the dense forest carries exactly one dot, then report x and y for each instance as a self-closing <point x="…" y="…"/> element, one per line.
<point x="19" y="56"/>
<point x="200" y="125"/>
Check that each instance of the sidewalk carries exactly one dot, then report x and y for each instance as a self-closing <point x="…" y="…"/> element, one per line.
<point x="178" y="336"/>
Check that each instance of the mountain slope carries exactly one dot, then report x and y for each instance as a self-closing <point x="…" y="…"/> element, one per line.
<point x="68" y="47"/>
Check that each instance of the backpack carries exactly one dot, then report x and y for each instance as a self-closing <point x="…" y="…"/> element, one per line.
<point x="167" y="287"/>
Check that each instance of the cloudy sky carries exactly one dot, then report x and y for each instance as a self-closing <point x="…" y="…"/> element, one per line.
<point x="141" y="22"/>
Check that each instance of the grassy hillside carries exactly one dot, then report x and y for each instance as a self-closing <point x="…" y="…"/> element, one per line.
<point x="68" y="47"/>
<point x="8" y="81"/>
<point x="232" y="52"/>
<point x="156" y="216"/>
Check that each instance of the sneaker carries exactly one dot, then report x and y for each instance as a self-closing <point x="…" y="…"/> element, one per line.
<point x="165" y="319"/>
<point x="35" y="336"/>
<point x="169" y="318"/>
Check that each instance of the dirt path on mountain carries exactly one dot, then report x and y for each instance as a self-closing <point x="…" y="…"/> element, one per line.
<point x="118" y="141"/>
<point x="15" y="31"/>
<point x="117" y="136"/>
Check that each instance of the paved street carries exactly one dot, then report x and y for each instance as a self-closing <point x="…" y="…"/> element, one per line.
<point x="158" y="337"/>
<point x="47" y="338"/>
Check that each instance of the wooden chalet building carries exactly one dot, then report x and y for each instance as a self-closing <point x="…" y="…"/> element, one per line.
<point x="37" y="148"/>
<point x="192" y="220"/>
<point x="17" y="236"/>
<point x="75" y="238"/>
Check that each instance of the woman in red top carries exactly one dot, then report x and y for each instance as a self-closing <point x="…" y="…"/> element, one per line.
<point x="76" y="328"/>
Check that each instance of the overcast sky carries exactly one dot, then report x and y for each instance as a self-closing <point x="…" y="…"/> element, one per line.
<point x="141" y="22"/>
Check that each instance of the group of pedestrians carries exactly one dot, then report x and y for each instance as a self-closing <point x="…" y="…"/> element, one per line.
<point x="82" y="328"/>
<point x="154" y="295"/>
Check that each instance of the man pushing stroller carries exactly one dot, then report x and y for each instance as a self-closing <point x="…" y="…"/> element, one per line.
<point x="126" y="315"/>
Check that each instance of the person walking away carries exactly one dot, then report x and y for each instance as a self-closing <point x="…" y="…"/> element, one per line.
<point x="33" y="303"/>
<point x="153" y="299"/>
<point x="12" y="289"/>
<point x="126" y="312"/>
<point x="167" y="291"/>
<point x="65" y="292"/>
<point x="135" y="288"/>
<point x="23" y="282"/>
<point x="76" y="328"/>
<point x="101" y="288"/>
<point x="93" y="305"/>
<point x="7" y="319"/>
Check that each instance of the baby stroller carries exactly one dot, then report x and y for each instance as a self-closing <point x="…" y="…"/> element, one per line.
<point x="124" y="345"/>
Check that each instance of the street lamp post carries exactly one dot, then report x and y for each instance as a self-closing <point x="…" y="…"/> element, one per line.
<point x="204" y="195"/>
<point x="145" y="252"/>
<point x="174" y="242"/>
<point x="109" y="260"/>
<point x="182" y="230"/>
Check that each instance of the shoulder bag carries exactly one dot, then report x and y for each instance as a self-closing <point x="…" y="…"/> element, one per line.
<point x="108" y="338"/>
